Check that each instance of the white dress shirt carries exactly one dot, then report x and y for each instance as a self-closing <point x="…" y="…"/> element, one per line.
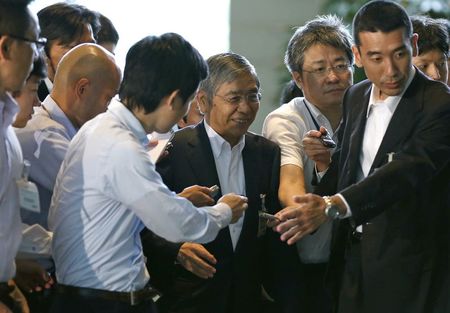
<point x="287" y="126"/>
<point x="230" y="169"/>
<point x="44" y="141"/>
<point x="106" y="191"/>
<point x="11" y="164"/>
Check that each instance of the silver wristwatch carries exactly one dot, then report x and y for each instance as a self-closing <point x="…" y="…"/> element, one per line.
<point x="331" y="210"/>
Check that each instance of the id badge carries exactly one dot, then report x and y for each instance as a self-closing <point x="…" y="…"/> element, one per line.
<point x="262" y="226"/>
<point x="28" y="192"/>
<point x="28" y="196"/>
<point x="262" y="222"/>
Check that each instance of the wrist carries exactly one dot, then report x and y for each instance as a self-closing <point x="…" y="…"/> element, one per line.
<point x="333" y="207"/>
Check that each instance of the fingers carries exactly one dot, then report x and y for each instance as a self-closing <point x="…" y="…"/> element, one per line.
<point x="292" y="235"/>
<point x="323" y="130"/>
<point x="289" y="212"/>
<point x="314" y="133"/>
<point x="196" y="259"/>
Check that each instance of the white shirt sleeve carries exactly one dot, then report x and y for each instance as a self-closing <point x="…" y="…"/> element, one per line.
<point x="140" y="188"/>
<point x="288" y="135"/>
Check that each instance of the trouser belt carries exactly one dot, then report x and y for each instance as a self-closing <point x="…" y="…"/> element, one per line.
<point x="133" y="297"/>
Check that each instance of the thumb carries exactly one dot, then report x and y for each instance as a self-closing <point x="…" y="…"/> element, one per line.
<point x="323" y="130"/>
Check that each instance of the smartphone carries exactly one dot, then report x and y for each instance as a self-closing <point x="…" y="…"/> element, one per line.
<point x="268" y="216"/>
<point x="214" y="191"/>
<point x="327" y="141"/>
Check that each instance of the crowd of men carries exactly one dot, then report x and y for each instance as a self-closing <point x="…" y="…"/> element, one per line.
<point x="341" y="205"/>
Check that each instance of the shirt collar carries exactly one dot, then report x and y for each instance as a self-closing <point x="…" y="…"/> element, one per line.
<point x="55" y="112"/>
<point x="218" y="144"/>
<point x="49" y="84"/>
<point x="390" y="102"/>
<point x="126" y="117"/>
<point x="314" y="110"/>
<point x="8" y="110"/>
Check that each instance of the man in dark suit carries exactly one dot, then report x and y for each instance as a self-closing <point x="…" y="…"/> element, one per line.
<point x="227" y="274"/>
<point x="390" y="242"/>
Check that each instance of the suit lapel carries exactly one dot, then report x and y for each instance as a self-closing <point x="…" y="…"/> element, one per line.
<point x="403" y="120"/>
<point x="356" y="138"/>
<point x="251" y="168"/>
<point x="203" y="166"/>
<point x="201" y="158"/>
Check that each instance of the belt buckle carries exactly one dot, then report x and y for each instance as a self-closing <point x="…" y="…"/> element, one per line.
<point x="134" y="298"/>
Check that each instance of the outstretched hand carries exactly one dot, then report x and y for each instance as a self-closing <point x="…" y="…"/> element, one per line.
<point x="300" y="220"/>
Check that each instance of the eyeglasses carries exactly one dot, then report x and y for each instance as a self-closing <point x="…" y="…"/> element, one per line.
<point x="39" y="43"/>
<point x="235" y="99"/>
<point x="323" y="71"/>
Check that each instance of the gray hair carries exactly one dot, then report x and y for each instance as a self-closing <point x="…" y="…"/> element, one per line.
<point x="326" y="30"/>
<point x="225" y="68"/>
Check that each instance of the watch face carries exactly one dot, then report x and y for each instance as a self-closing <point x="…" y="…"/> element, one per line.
<point x="332" y="212"/>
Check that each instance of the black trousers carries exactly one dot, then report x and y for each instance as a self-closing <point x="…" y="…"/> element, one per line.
<point x="350" y="296"/>
<point x="69" y="303"/>
<point x="316" y="297"/>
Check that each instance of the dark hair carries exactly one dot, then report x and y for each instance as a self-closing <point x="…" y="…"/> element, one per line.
<point x="224" y="68"/>
<point x="156" y="66"/>
<point x="289" y="92"/>
<point x="432" y="34"/>
<point x="39" y="67"/>
<point x="326" y="30"/>
<point x="107" y="32"/>
<point x="64" y="22"/>
<point x="15" y="18"/>
<point x="380" y="15"/>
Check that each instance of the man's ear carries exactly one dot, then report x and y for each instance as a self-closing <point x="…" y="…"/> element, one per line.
<point x="170" y="99"/>
<point x="414" y="46"/>
<point x="81" y="87"/>
<point x="5" y="47"/>
<point x="202" y="101"/>
<point x="357" y="55"/>
<point x="297" y="77"/>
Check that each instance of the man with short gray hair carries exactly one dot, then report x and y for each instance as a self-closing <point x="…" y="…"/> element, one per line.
<point x="320" y="59"/>
<point x="226" y="274"/>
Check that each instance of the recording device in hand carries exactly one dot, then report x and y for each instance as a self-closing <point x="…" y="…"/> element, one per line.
<point x="327" y="141"/>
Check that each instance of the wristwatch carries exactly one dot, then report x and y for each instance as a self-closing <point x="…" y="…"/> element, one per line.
<point x="331" y="210"/>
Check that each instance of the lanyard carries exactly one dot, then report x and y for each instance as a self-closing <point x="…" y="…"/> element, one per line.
<point x="312" y="116"/>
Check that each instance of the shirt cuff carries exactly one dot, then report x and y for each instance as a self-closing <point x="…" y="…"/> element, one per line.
<point x="224" y="210"/>
<point x="319" y="175"/>
<point x="349" y="211"/>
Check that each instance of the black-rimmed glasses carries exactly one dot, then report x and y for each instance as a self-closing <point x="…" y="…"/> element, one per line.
<point x="323" y="71"/>
<point x="39" y="43"/>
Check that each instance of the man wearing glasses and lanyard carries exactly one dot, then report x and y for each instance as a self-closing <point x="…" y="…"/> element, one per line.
<point x="19" y="45"/>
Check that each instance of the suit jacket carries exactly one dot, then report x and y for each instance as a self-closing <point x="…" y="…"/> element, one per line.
<point x="402" y="205"/>
<point x="236" y="285"/>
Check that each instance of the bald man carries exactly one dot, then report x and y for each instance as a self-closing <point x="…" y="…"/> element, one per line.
<point x="85" y="81"/>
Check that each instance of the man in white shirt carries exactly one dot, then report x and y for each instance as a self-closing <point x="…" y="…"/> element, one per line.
<point x="107" y="189"/>
<point x="65" y="25"/>
<point x="85" y="82"/>
<point x="390" y="169"/>
<point x="19" y="46"/>
<point x="319" y="57"/>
